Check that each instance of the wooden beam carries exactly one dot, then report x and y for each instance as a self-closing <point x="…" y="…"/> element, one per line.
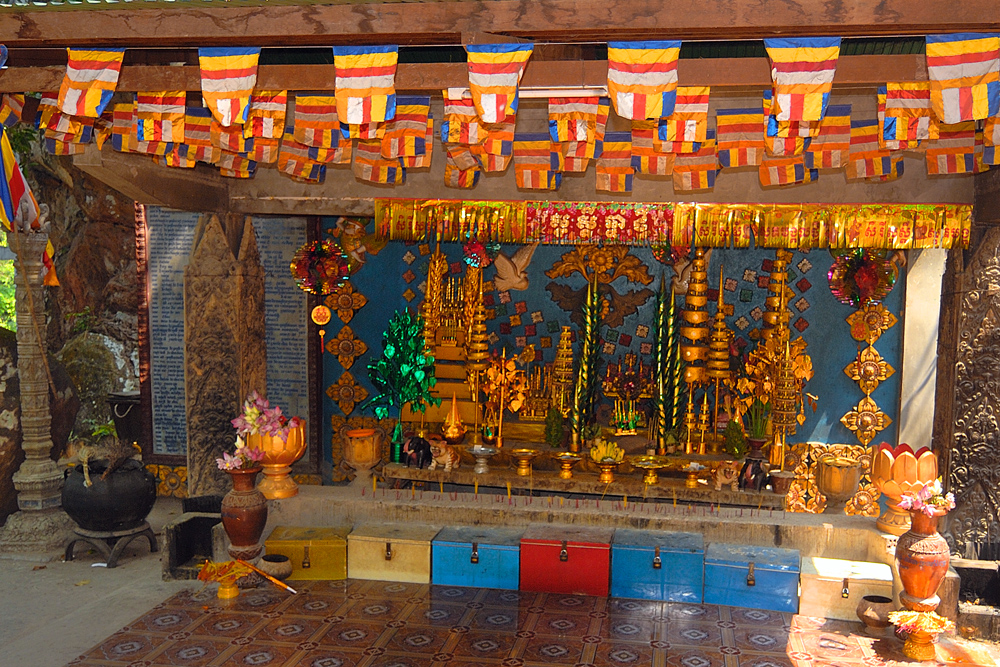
<point x="138" y="177"/>
<point x="445" y="22"/>
<point x="737" y="73"/>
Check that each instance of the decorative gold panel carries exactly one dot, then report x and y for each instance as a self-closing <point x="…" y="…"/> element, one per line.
<point x="804" y="495"/>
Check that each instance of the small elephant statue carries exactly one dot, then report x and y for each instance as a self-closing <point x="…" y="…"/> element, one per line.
<point x="417" y="452"/>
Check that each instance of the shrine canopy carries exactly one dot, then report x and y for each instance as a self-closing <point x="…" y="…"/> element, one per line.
<point x="802" y="226"/>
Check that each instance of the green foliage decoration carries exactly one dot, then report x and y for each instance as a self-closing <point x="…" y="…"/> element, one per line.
<point x="734" y="441"/>
<point x="667" y="365"/>
<point x="404" y="374"/>
<point x="554" y="422"/>
<point x="583" y="411"/>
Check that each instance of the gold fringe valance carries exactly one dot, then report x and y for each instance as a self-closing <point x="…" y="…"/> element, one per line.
<point x="893" y="226"/>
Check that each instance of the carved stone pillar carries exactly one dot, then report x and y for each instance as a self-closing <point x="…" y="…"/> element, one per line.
<point x="225" y="354"/>
<point x="40" y="524"/>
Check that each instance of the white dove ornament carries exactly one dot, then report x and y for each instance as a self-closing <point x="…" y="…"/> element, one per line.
<point x="512" y="272"/>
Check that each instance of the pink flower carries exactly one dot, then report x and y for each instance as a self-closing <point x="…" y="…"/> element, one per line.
<point x="906" y="502"/>
<point x="254" y="454"/>
<point x="228" y="462"/>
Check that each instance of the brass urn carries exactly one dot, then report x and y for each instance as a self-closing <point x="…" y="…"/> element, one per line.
<point x="838" y="478"/>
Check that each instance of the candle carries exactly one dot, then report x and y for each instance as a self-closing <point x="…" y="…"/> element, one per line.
<point x="374" y="482"/>
<point x="477" y="488"/>
<point x="508" y="491"/>
<point x="441" y="487"/>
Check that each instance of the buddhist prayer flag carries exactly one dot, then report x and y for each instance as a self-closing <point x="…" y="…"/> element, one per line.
<point x="18" y="205"/>
<point x="422" y="161"/>
<point x="50" y="118"/>
<point x="784" y="139"/>
<point x="90" y="81"/>
<point x="964" y="71"/>
<point x="573" y="118"/>
<point x="577" y="154"/>
<point x="228" y="76"/>
<point x="500" y="138"/>
<point x="495" y="72"/>
<point x="316" y="125"/>
<point x="829" y="149"/>
<point x="905" y="115"/>
<point x="802" y="70"/>
<point x="991" y="140"/>
<point x="614" y="168"/>
<point x="461" y="122"/>
<point x="198" y="123"/>
<point x="266" y="117"/>
<point x="645" y="158"/>
<point x="159" y="116"/>
<point x="178" y="158"/>
<point x="786" y="170"/>
<point x="537" y="161"/>
<point x="122" y="125"/>
<point x="740" y="136"/>
<point x="686" y="127"/>
<point x="294" y="160"/>
<point x="954" y="150"/>
<point x="696" y="171"/>
<point x="405" y="135"/>
<point x="263" y="150"/>
<point x="461" y="169"/>
<point x="369" y="165"/>
<point x="365" y="84"/>
<point x="867" y="160"/>
<point x="234" y="165"/>
<point x="11" y="106"/>
<point x="230" y="139"/>
<point x="642" y="78"/>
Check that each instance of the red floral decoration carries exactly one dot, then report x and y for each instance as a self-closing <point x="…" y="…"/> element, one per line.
<point x="320" y="267"/>
<point x="861" y="276"/>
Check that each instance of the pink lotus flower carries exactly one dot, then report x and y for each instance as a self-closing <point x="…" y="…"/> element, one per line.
<point x="259" y="417"/>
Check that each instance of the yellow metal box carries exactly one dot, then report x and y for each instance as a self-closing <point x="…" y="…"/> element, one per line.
<point x="832" y="588"/>
<point x="316" y="552"/>
<point x="391" y="552"/>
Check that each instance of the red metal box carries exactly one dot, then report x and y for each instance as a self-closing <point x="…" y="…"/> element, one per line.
<point x="564" y="559"/>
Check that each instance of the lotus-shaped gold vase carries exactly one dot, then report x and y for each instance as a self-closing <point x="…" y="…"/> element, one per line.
<point x="896" y="470"/>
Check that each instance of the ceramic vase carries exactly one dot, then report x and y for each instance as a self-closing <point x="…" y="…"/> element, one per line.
<point x="922" y="558"/>
<point x="244" y="513"/>
<point x="362" y="450"/>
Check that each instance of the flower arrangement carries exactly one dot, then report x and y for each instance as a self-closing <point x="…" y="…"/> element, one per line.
<point x="259" y="417"/>
<point x="930" y="499"/>
<point x="920" y="621"/>
<point x="244" y="458"/>
<point x="607" y="452"/>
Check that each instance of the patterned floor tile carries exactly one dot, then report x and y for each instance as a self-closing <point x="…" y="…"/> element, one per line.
<point x="383" y="610"/>
<point x="639" y="629"/>
<point x="692" y="612"/>
<point x="770" y="639"/>
<point x="329" y="657"/>
<point x="313" y="604"/>
<point x="226" y="624"/>
<point x="621" y="653"/>
<point x="764" y="660"/>
<point x="166" y="620"/>
<point x="553" y="650"/>
<point x="489" y="645"/>
<point x="262" y="655"/>
<point x="499" y="620"/>
<point x="192" y="652"/>
<point x="437" y="614"/>
<point x="453" y="594"/>
<point x="562" y="624"/>
<point x="422" y="640"/>
<point x="288" y="628"/>
<point x="126" y="646"/>
<point x="639" y="608"/>
<point x="694" y="657"/>
<point x="352" y="633"/>
<point x="401" y="660"/>
<point x="571" y="603"/>
<point x="759" y="617"/>
<point x="394" y="590"/>
<point x="498" y="598"/>
<point x="687" y="633"/>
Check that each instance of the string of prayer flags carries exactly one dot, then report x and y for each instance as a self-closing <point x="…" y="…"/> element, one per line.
<point x="614" y="168"/>
<point x="954" y="150"/>
<point x="696" y="171"/>
<point x="964" y="73"/>
<point x="369" y="165"/>
<point x="461" y="169"/>
<point x="573" y="118"/>
<point x="740" y="137"/>
<point x="266" y="117"/>
<point x="90" y="81"/>
<point x="423" y="160"/>
<point x="830" y="148"/>
<point x="405" y="135"/>
<point x="102" y="129"/>
<point x="235" y="165"/>
<point x="684" y="129"/>
<point x="577" y="154"/>
<point x="461" y="121"/>
<point x="11" y="107"/>
<point x="642" y="78"/>
<point x="645" y="158"/>
<point x="536" y="161"/>
<point x="867" y="160"/>
<point x="783" y="139"/>
<point x="495" y="71"/>
<point x="159" y="116"/>
<point x="802" y="70"/>
<point x="365" y="84"/>
<point x="228" y="77"/>
<point x="774" y="171"/>
<point x="905" y="115"/>
<point x="294" y="160"/>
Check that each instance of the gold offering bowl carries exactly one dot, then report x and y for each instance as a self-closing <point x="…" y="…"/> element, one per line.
<point x="524" y="458"/>
<point x="837" y="478"/>
<point x="566" y="461"/>
<point x="692" y="479"/>
<point x="279" y="455"/>
<point x="896" y="470"/>
<point x="650" y="464"/>
<point x="607" y="471"/>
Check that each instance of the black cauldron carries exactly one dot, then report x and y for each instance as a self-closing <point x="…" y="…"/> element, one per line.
<point x="120" y="502"/>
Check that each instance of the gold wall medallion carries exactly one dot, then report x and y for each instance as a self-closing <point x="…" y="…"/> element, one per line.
<point x="869" y="369"/>
<point x="346" y="347"/>
<point x="866" y="420"/>
<point x="870" y="322"/>
<point x="346" y="301"/>
<point x="346" y="392"/>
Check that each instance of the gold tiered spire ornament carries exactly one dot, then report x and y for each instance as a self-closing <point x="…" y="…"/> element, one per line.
<point x="453" y="429"/>
<point x="784" y="408"/>
<point x="718" y="352"/>
<point x="776" y="316"/>
<point x="477" y="354"/>
<point x="434" y="296"/>
<point x="695" y="332"/>
<point x="562" y="373"/>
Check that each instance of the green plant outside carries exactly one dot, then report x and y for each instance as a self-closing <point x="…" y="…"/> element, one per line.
<point x="7" y="313"/>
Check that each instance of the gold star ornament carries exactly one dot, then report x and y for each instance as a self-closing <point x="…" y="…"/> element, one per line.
<point x="870" y="322"/>
<point x="869" y="369"/>
<point x="346" y="347"/>
<point x="346" y="301"/>
<point x="346" y="393"/>
<point x="866" y="420"/>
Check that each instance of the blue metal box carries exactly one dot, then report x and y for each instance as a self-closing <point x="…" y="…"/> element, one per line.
<point x="756" y="577"/>
<point x="657" y="565"/>
<point x="478" y="556"/>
